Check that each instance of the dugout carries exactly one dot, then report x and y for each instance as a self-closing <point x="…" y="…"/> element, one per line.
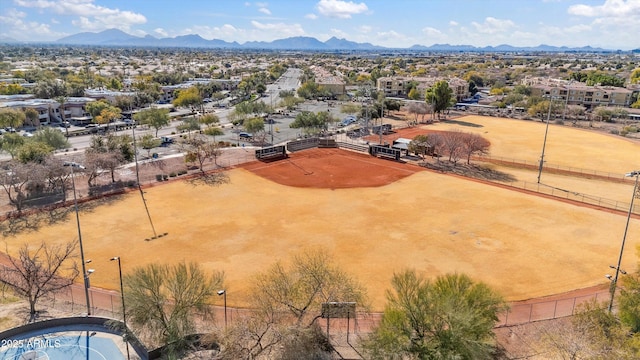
<point x="384" y="151"/>
<point x="271" y="153"/>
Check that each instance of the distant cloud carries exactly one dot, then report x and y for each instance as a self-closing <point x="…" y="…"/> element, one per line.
<point x="610" y="8"/>
<point x="391" y="37"/>
<point x="264" y="10"/>
<point x="614" y="19"/>
<point x="279" y="29"/>
<point x="365" y="29"/>
<point x="429" y="31"/>
<point x="311" y="16"/>
<point x="493" y="26"/>
<point x="90" y="15"/>
<point x="339" y="33"/>
<point x="17" y="28"/>
<point x="340" y="9"/>
<point x="161" y="32"/>
<point x="453" y="23"/>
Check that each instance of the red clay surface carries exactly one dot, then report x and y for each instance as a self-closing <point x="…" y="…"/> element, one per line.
<point x="332" y="169"/>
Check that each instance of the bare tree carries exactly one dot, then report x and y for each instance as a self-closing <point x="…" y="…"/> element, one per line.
<point x="576" y="112"/>
<point x="14" y="179"/>
<point x="36" y="273"/>
<point x="592" y="333"/>
<point x="200" y="150"/>
<point x="418" y="109"/>
<point x="453" y="144"/>
<point x="436" y="140"/>
<point x="474" y="144"/>
<point x="287" y="302"/>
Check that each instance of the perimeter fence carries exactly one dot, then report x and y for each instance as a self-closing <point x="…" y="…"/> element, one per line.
<point x="108" y="303"/>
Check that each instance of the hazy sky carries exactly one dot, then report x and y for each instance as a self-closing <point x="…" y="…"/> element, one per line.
<point x="611" y="24"/>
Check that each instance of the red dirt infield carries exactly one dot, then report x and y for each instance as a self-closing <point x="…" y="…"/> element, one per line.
<point x="332" y="169"/>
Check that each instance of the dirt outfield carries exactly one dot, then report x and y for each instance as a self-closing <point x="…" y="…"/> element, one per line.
<point x="523" y="245"/>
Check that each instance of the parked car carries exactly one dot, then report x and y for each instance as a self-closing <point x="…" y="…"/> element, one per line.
<point x="245" y="135"/>
<point x="166" y="140"/>
<point x="347" y="121"/>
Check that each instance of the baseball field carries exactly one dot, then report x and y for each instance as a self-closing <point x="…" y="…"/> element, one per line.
<point x="377" y="216"/>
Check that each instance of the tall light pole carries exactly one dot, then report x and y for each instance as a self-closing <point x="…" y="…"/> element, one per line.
<point x="566" y="101"/>
<point x="144" y="200"/>
<point x="85" y="274"/>
<point x="614" y="282"/>
<point x="124" y="312"/>
<point x="223" y="293"/>
<point x="544" y="143"/>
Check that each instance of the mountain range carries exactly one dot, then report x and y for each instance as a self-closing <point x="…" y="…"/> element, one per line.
<point x="114" y="37"/>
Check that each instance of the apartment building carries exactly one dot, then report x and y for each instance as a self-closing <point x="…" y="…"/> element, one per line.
<point x="575" y="93"/>
<point x="328" y="81"/>
<point x="398" y="85"/>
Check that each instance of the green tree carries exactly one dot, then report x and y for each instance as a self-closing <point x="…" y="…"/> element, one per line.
<point x="12" y="117"/>
<point x="188" y="98"/>
<point x="603" y="79"/>
<point x="440" y="96"/>
<point x="52" y="137"/>
<point x="635" y="76"/>
<point x="31" y="117"/>
<point x="414" y="94"/>
<point x="148" y="142"/>
<point x="209" y="120"/>
<point x="155" y="118"/>
<point x="94" y="108"/>
<point x="254" y="125"/>
<point x="311" y="122"/>
<point x="189" y="125"/>
<point x="309" y="90"/>
<point x="33" y="151"/>
<point x="450" y="318"/>
<point x="629" y="301"/>
<point x="290" y="102"/>
<point x="163" y="299"/>
<point x="107" y="115"/>
<point x="11" y="143"/>
<point x="541" y="109"/>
